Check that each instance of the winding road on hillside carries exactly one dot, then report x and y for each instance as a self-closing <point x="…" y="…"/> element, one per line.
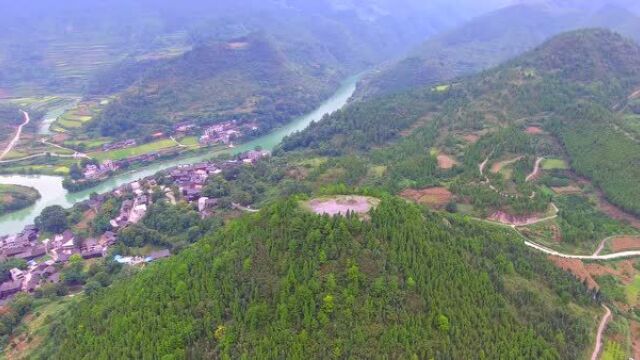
<point x="613" y="256"/>
<point x="536" y="170"/>
<point x="601" y="328"/>
<point x="16" y="138"/>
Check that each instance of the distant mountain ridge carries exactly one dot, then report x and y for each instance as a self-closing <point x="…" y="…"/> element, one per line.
<point x="246" y="79"/>
<point x="491" y="39"/>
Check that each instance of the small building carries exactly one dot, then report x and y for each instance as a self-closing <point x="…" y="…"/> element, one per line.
<point x="17" y="274"/>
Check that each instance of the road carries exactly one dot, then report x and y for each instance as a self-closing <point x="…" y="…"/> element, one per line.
<point x="75" y="155"/>
<point x="536" y="170"/>
<point x="618" y="255"/>
<point x="603" y="326"/>
<point x="16" y="138"/>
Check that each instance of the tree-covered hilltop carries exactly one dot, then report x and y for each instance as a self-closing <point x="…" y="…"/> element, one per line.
<point x="286" y="283"/>
<point x="576" y="85"/>
<point x="246" y="79"/>
<point x="16" y="197"/>
<point x="493" y="38"/>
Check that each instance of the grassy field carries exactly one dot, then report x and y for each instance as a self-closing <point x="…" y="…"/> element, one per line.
<point x="35" y="325"/>
<point x="16" y="197"/>
<point x="441" y="88"/>
<point x="190" y="141"/>
<point x="89" y="144"/>
<point x="553" y="164"/>
<point x="633" y="292"/>
<point x="134" y="151"/>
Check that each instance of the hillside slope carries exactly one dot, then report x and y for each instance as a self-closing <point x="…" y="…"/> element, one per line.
<point x="577" y="85"/>
<point x="248" y="78"/>
<point x="492" y="39"/>
<point x="286" y="283"/>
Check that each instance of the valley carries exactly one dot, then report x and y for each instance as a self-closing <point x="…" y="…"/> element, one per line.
<point x="208" y="181"/>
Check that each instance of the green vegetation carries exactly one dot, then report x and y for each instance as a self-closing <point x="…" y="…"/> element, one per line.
<point x="488" y="41"/>
<point x="287" y="283"/>
<point x="196" y="86"/>
<point x="633" y="291"/>
<point x="119" y="154"/>
<point x="53" y="219"/>
<point x="16" y="197"/>
<point x="554" y="164"/>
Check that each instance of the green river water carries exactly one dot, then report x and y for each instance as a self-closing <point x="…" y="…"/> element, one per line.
<point x="52" y="192"/>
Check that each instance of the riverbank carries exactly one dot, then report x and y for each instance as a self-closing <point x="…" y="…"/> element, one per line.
<point x="16" y="197"/>
<point x="53" y="192"/>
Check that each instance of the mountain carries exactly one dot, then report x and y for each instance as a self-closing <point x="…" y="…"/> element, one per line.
<point x="494" y="38"/>
<point x="50" y="46"/>
<point x="287" y="283"/>
<point x="246" y="79"/>
<point x="580" y="86"/>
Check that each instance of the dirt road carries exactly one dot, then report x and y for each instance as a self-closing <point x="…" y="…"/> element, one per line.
<point x="618" y="255"/>
<point x="16" y="138"/>
<point x="601" y="329"/>
<point x="536" y="170"/>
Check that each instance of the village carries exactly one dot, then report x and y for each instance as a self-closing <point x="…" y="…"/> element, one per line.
<point x="47" y="257"/>
<point x="225" y="133"/>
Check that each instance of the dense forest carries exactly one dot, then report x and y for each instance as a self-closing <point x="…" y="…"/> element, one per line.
<point x="570" y="84"/>
<point x="244" y="79"/>
<point x="288" y="283"/>
<point x="493" y="38"/>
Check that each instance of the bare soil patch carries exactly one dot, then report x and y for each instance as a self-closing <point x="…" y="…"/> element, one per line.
<point x="238" y="45"/>
<point x="567" y="190"/>
<point x="577" y="268"/>
<point x="534" y="130"/>
<point x="635" y="339"/>
<point x="517" y="220"/>
<point x="59" y="138"/>
<point x="624" y="243"/>
<point x="341" y="205"/>
<point x="436" y="197"/>
<point x="471" y="138"/>
<point x="418" y="124"/>
<point x="497" y="166"/>
<point x="446" y="162"/>
<point x="616" y="213"/>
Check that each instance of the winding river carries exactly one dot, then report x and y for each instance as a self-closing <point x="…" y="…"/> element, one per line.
<point x="50" y="187"/>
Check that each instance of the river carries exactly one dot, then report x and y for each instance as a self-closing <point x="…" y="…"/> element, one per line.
<point x="52" y="192"/>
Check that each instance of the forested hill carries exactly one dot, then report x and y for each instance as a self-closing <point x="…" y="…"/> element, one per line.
<point x="286" y="283"/>
<point x="242" y="79"/>
<point x="579" y="85"/>
<point x="492" y="39"/>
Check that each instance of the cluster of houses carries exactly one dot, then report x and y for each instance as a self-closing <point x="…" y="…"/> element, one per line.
<point x="93" y="172"/>
<point x="189" y="180"/>
<point x="57" y="251"/>
<point x="225" y="133"/>
<point x="133" y="210"/>
<point x="119" y="145"/>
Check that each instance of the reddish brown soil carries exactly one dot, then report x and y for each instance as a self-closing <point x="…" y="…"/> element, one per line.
<point x="446" y="162"/>
<point x="238" y="45"/>
<point x="617" y="213"/>
<point x="624" y="243"/>
<point x="435" y="197"/>
<point x="508" y="219"/>
<point x="342" y="205"/>
<point x="577" y="268"/>
<point x="635" y="339"/>
<point x="471" y="138"/>
<point x="534" y="130"/>
<point x="567" y="190"/>
<point x="59" y="138"/>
